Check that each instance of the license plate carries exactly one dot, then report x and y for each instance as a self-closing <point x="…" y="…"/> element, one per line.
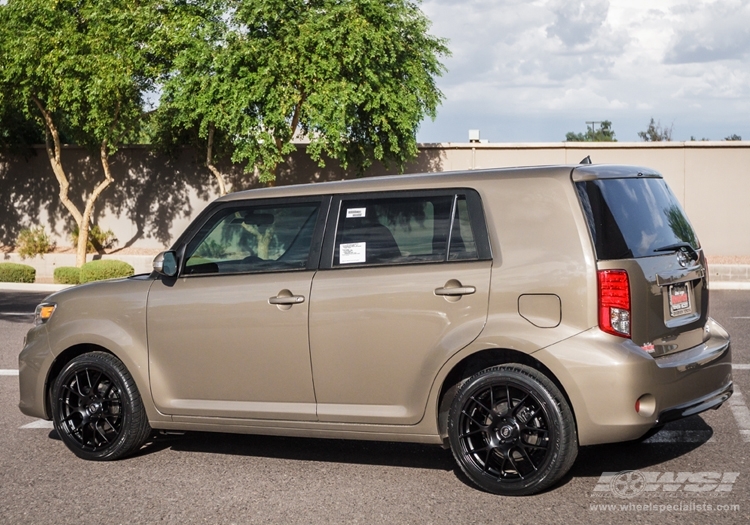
<point x="679" y="299"/>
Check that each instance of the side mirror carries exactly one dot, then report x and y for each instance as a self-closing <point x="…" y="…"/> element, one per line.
<point x="166" y="264"/>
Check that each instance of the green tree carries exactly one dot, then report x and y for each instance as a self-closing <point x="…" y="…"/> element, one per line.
<point x="733" y="136"/>
<point x="604" y="133"/>
<point x="80" y="67"/>
<point x="354" y="77"/>
<point x="656" y="132"/>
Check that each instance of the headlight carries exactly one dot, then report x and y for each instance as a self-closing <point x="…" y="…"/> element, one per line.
<point x="43" y="312"/>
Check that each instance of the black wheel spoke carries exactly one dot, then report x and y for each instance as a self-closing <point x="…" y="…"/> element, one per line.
<point x="509" y="399"/>
<point x="520" y="404"/>
<point x="472" y="432"/>
<point x="488" y="410"/>
<point x="526" y="456"/>
<point x="479" y="423"/>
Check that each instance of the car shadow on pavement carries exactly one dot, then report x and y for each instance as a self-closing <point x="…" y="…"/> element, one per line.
<point x="411" y="455"/>
<point x="674" y="440"/>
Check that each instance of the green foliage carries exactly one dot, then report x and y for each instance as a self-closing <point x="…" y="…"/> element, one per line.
<point x="104" y="269"/>
<point x="733" y="136"/>
<point x="32" y="242"/>
<point x="99" y="240"/>
<point x="16" y="273"/>
<point x="355" y="77"/>
<point x="88" y="63"/>
<point x="211" y="250"/>
<point x="67" y="275"/>
<point x="679" y="224"/>
<point x="605" y="133"/>
<point x="656" y="133"/>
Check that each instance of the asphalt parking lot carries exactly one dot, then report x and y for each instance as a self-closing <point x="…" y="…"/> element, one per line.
<point x="694" y="471"/>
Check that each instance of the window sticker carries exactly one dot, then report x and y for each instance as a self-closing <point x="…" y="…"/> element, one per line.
<point x="352" y="253"/>
<point x="356" y="213"/>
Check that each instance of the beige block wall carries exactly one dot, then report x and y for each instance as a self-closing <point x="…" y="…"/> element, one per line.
<point x="156" y="196"/>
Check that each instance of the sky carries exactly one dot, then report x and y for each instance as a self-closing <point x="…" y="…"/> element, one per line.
<point x="533" y="70"/>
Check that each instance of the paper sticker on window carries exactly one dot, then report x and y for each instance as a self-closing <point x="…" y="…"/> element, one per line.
<point x="352" y="253"/>
<point x="356" y="213"/>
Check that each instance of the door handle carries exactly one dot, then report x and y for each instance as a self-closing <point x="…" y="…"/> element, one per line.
<point x="457" y="290"/>
<point x="292" y="299"/>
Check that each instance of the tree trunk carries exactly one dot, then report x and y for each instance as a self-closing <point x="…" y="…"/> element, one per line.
<point x="54" y="149"/>
<point x="210" y="164"/>
<point x="85" y="224"/>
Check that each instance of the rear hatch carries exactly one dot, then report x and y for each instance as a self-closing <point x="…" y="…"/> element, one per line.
<point x="637" y="225"/>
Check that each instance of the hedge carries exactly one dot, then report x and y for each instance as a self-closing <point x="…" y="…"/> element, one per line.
<point x="17" y="273"/>
<point x="104" y="269"/>
<point x="67" y="275"/>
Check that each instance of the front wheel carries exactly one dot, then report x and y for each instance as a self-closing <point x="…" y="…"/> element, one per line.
<point x="97" y="410"/>
<point x="511" y="430"/>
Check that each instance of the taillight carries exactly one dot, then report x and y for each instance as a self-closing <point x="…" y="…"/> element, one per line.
<point x="614" y="302"/>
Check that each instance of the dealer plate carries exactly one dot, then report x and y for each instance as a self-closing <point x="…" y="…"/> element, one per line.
<point x="679" y="299"/>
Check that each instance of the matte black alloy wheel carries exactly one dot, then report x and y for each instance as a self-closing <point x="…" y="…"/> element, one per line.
<point x="511" y="430"/>
<point x="505" y="431"/>
<point x="91" y="408"/>
<point x="97" y="409"/>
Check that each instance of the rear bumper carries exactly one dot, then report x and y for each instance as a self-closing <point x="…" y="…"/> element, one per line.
<point x="712" y="401"/>
<point x="604" y="376"/>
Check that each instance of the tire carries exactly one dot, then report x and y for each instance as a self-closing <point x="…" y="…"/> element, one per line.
<point x="97" y="410"/>
<point x="517" y="447"/>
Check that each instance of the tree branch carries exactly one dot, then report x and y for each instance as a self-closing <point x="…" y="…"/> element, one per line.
<point x="55" y="158"/>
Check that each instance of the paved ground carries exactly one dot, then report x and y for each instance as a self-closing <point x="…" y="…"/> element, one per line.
<point x="222" y="478"/>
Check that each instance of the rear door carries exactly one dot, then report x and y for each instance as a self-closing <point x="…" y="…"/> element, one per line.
<point x="403" y="285"/>
<point x="637" y="224"/>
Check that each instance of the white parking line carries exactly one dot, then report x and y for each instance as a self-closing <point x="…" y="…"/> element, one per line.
<point x="741" y="413"/>
<point x="740" y="367"/>
<point x="5" y="372"/>
<point x="39" y="423"/>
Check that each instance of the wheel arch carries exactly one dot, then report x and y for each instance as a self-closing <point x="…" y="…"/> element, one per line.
<point x="478" y="361"/>
<point x="62" y="359"/>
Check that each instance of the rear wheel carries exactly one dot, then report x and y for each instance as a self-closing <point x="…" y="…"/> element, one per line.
<point x="97" y="409"/>
<point x="511" y="430"/>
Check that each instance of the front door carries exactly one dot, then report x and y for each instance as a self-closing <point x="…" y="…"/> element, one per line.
<point x="229" y="336"/>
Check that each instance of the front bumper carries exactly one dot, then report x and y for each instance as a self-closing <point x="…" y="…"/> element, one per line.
<point x="604" y="376"/>
<point x="34" y="363"/>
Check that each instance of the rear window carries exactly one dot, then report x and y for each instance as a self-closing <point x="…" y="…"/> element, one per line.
<point x="632" y="218"/>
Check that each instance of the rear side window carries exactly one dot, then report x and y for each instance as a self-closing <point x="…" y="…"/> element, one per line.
<point x="397" y="230"/>
<point x="631" y="218"/>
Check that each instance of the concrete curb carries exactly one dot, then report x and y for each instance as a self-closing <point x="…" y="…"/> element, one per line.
<point x="33" y="287"/>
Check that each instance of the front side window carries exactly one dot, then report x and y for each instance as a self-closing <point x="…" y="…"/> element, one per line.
<point x="395" y="230"/>
<point x="249" y="238"/>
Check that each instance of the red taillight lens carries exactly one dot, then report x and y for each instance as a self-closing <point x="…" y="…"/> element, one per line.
<point x="614" y="302"/>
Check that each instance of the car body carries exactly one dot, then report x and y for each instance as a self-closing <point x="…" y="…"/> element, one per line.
<point x="511" y="314"/>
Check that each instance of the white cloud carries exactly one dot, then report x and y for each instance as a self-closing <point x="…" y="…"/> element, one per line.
<point x="561" y="62"/>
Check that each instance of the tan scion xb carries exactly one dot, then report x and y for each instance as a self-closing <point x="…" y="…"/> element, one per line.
<point x="511" y="314"/>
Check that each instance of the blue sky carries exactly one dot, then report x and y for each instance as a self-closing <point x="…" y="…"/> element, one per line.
<point x="530" y="71"/>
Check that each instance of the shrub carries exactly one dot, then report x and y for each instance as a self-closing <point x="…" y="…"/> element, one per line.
<point x="98" y="239"/>
<point x="104" y="269"/>
<point x="32" y="242"/>
<point x="67" y="275"/>
<point x="16" y="273"/>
